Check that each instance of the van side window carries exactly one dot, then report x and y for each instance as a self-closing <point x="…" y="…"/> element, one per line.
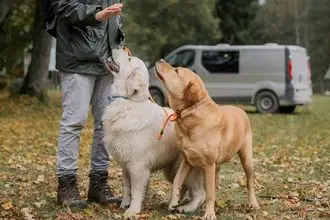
<point x="184" y="58"/>
<point x="221" y="61"/>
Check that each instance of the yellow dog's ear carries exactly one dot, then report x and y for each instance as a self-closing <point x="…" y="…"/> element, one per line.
<point x="192" y="93"/>
<point x="135" y="84"/>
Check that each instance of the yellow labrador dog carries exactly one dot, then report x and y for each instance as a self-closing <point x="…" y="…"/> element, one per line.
<point x="131" y="124"/>
<point x="208" y="135"/>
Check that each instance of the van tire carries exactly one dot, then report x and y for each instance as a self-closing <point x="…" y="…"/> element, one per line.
<point x="158" y="96"/>
<point x="287" y="109"/>
<point x="266" y="102"/>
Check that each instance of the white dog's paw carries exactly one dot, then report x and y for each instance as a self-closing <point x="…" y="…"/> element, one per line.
<point x="191" y="206"/>
<point x="187" y="208"/>
<point x="173" y="205"/>
<point x="130" y="215"/>
<point x="125" y="203"/>
<point x="131" y="212"/>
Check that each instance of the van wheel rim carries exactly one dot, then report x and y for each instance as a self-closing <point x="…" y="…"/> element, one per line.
<point x="266" y="103"/>
<point x="157" y="99"/>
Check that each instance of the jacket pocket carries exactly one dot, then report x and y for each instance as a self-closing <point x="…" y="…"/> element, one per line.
<point x="83" y="42"/>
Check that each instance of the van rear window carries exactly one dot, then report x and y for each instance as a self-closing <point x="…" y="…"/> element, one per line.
<point x="221" y="62"/>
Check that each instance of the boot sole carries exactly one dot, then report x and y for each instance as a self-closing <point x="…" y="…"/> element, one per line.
<point x="111" y="201"/>
<point x="78" y="204"/>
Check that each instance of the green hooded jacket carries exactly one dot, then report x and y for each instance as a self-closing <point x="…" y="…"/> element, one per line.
<point x="83" y="43"/>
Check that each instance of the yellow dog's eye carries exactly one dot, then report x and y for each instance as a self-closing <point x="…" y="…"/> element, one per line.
<point x="176" y="70"/>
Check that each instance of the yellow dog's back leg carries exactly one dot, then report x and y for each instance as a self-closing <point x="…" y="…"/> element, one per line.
<point x="245" y="155"/>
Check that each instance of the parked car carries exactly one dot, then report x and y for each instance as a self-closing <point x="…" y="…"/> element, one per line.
<point x="271" y="77"/>
<point x="327" y="82"/>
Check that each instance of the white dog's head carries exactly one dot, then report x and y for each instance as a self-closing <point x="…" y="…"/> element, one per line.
<point x="132" y="80"/>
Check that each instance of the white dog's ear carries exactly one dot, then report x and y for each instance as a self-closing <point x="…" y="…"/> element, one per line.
<point x="135" y="84"/>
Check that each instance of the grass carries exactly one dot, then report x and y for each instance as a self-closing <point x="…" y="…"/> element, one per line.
<point x="291" y="157"/>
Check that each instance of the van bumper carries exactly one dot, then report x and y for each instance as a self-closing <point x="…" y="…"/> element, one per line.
<point x="295" y="96"/>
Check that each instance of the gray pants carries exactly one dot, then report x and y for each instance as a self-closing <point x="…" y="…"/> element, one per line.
<point x="79" y="91"/>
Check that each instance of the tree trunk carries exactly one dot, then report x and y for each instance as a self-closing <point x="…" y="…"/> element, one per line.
<point x="5" y="8"/>
<point x="35" y="81"/>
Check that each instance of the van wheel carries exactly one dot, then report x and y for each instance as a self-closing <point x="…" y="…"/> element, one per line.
<point x="266" y="102"/>
<point x="158" y="96"/>
<point x="287" y="109"/>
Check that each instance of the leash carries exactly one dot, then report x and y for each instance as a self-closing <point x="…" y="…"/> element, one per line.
<point x="127" y="50"/>
<point x="172" y="117"/>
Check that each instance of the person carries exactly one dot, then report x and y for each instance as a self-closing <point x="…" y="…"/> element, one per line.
<point x="86" y="32"/>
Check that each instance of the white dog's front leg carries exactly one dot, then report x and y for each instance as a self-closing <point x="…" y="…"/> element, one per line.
<point x="139" y="177"/>
<point x="184" y="170"/>
<point x="126" y="184"/>
<point x="195" y="185"/>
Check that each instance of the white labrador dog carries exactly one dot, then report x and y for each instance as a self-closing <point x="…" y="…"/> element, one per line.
<point x="131" y="123"/>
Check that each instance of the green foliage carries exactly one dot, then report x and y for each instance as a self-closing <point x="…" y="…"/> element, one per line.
<point x="298" y="22"/>
<point x="236" y="18"/>
<point x="319" y="37"/>
<point x="153" y="29"/>
<point x="282" y="21"/>
<point x="16" y="33"/>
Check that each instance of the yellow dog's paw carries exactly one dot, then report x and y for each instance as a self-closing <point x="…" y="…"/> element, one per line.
<point x="254" y="205"/>
<point x="209" y="215"/>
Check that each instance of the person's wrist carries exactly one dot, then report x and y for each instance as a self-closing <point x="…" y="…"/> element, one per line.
<point x="98" y="14"/>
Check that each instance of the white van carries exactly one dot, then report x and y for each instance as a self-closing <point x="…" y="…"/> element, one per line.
<point x="271" y="77"/>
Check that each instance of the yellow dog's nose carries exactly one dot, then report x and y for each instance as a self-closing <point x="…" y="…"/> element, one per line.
<point x="161" y="61"/>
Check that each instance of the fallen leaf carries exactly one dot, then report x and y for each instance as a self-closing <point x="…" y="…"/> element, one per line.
<point x="248" y="217"/>
<point x="289" y="179"/>
<point x="143" y="216"/>
<point x="117" y="216"/>
<point x="40" y="203"/>
<point x="175" y="217"/>
<point x="243" y="182"/>
<point x="27" y="213"/>
<point x="161" y="193"/>
<point x="7" y="205"/>
<point x="221" y="203"/>
<point x="264" y="213"/>
<point x="40" y="179"/>
<point x="234" y="185"/>
<point x="294" y="194"/>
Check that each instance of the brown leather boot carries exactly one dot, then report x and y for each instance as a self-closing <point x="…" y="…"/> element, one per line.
<point x="99" y="190"/>
<point x="68" y="193"/>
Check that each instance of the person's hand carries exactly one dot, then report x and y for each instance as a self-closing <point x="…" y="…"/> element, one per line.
<point x="109" y="12"/>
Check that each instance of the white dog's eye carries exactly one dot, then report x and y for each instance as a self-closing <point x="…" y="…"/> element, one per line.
<point x="129" y="59"/>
